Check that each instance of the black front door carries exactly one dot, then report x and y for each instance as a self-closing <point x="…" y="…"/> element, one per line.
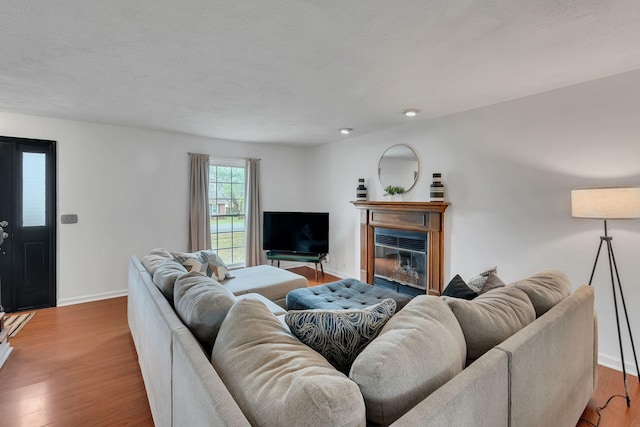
<point x="28" y="221"/>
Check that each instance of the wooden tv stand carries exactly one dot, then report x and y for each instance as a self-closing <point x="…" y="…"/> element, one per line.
<point x="298" y="257"/>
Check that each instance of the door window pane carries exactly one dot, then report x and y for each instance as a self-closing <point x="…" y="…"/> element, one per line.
<point x="33" y="189"/>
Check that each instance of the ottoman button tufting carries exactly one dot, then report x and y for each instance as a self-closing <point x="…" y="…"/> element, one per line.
<point x="345" y="294"/>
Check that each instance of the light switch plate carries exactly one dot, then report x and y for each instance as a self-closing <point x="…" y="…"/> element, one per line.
<point x="69" y="219"/>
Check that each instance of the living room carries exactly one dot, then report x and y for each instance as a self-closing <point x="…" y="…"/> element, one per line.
<point x="508" y="170"/>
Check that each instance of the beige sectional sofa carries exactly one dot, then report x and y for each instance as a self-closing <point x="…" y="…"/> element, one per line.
<point x="543" y="374"/>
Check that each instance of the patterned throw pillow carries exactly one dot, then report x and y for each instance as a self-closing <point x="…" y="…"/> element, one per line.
<point x="204" y="262"/>
<point x="340" y="335"/>
<point x="476" y="283"/>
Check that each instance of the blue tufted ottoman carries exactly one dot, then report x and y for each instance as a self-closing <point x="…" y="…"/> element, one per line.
<point x="343" y="294"/>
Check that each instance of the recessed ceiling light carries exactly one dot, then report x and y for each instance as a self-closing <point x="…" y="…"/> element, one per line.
<point x="346" y="131"/>
<point x="411" y="112"/>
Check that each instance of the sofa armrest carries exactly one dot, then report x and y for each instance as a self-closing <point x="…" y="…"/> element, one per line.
<point x="551" y="364"/>
<point x="200" y="398"/>
<point x="152" y="322"/>
<point x="476" y="396"/>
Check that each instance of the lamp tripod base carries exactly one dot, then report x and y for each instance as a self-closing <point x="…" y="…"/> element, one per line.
<point x="615" y="280"/>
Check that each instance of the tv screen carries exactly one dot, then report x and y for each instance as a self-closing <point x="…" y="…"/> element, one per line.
<point x="298" y="232"/>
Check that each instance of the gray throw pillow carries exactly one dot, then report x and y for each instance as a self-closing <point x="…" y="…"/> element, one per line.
<point x="202" y="305"/>
<point x="492" y="282"/>
<point x="165" y="276"/>
<point x="545" y="289"/>
<point x="418" y="350"/>
<point x="491" y="318"/>
<point x="340" y="335"/>
<point x="275" y="379"/>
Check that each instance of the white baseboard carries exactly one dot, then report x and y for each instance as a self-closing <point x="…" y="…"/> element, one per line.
<point x="94" y="297"/>
<point x="336" y="273"/>
<point x="615" y="363"/>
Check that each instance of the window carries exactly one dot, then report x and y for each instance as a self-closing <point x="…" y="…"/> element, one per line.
<point x="226" y="207"/>
<point x="34" y="189"/>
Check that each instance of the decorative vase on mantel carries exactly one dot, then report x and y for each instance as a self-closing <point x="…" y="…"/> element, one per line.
<point x="361" y="190"/>
<point x="437" y="188"/>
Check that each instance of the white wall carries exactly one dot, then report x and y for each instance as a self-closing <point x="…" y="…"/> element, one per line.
<point x="129" y="188"/>
<point x="508" y="171"/>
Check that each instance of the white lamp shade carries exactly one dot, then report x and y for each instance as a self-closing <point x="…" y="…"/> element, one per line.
<point x="606" y="203"/>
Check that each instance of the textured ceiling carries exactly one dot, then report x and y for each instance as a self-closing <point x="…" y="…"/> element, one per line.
<point x="296" y="71"/>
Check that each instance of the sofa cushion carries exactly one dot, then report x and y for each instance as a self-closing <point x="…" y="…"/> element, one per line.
<point x="165" y="276"/>
<point x="418" y="350"/>
<point x="202" y="304"/>
<point x="206" y="262"/>
<point x="492" y="282"/>
<point x="491" y="318"/>
<point x="155" y="258"/>
<point x="272" y="306"/>
<point x="277" y="380"/>
<point x="545" y="289"/>
<point x="457" y="288"/>
<point x="272" y="282"/>
<point x="340" y="335"/>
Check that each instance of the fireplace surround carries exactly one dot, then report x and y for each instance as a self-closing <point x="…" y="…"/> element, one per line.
<point x="402" y="245"/>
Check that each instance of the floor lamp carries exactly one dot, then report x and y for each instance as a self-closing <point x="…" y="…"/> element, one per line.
<point x="606" y="204"/>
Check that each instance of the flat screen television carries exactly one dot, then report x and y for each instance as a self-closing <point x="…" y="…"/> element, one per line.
<point x="296" y="232"/>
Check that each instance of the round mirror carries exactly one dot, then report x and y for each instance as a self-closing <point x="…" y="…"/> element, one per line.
<point x="399" y="167"/>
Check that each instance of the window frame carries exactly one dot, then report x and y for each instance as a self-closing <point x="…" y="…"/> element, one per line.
<point x="215" y="240"/>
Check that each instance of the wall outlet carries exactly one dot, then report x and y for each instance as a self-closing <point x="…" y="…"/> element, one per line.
<point x="69" y="219"/>
<point x="327" y="259"/>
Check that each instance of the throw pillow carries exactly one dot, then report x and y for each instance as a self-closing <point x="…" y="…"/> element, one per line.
<point x="340" y="335"/>
<point x="457" y="288"/>
<point x="476" y="283"/>
<point x="202" y="305"/>
<point x="275" y="379"/>
<point x="491" y="318"/>
<point x="418" y="350"/>
<point x="492" y="282"/>
<point x="545" y="289"/>
<point x="205" y="262"/>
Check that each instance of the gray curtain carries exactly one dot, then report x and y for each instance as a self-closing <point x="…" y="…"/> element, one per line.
<point x="199" y="218"/>
<point x="253" y="222"/>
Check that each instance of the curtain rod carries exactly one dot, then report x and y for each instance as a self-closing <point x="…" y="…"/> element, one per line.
<point x="228" y="157"/>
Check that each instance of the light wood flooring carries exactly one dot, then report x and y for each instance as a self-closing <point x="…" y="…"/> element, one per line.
<point x="77" y="366"/>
